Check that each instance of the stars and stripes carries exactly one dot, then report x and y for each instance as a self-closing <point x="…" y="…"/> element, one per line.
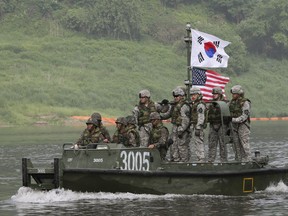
<point x="206" y="80"/>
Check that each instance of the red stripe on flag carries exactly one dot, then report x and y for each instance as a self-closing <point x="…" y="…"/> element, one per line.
<point x="213" y="79"/>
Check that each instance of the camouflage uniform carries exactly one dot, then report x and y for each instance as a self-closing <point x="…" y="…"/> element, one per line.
<point x="132" y="138"/>
<point x="159" y="135"/>
<point x="120" y="133"/>
<point x="96" y="135"/>
<point x="141" y="112"/>
<point x="217" y="129"/>
<point x="198" y="110"/>
<point x="97" y="118"/>
<point x="240" y="109"/>
<point x="179" y="113"/>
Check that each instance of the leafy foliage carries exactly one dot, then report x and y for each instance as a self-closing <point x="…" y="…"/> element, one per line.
<point x="234" y="10"/>
<point x="266" y="30"/>
<point x="65" y="57"/>
<point x="119" y="19"/>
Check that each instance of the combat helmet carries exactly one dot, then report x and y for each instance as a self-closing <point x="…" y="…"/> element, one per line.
<point x="131" y="120"/>
<point x="121" y="120"/>
<point x="155" y="115"/>
<point x="144" y="93"/>
<point x="178" y="92"/>
<point x="96" y="116"/>
<point x="195" y="90"/>
<point x="237" y="89"/>
<point x="89" y="121"/>
<point x="217" y="90"/>
<point x="183" y="88"/>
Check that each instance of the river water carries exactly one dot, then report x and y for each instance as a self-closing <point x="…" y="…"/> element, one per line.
<point x="42" y="144"/>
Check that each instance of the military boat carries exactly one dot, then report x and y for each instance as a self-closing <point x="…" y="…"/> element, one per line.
<point x="112" y="167"/>
<point x="116" y="168"/>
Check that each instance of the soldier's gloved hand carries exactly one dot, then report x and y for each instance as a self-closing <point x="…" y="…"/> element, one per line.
<point x="197" y="132"/>
<point x="164" y="102"/>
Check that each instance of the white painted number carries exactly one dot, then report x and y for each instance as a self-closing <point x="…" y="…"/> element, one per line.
<point x="135" y="160"/>
<point x="40" y="170"/>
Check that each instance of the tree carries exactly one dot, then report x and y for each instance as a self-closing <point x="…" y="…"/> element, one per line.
<point x="265" y="32"/>
<point x="234" y="10"/>
<point x="119" y="19"/>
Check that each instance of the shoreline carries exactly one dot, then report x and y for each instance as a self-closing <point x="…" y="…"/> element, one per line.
<point x="78" y="121"/>
<point x="111" y="121"/>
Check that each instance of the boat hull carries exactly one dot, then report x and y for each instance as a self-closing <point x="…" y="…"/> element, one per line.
<point x="114" y="168"/>
<point x="159" y="182"/>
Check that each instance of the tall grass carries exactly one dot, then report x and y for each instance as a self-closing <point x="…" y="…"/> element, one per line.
<point x="63" y="74"/>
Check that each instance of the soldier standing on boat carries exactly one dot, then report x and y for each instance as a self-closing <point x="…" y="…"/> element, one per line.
<point x="120" y="133"/>
<point x="159" y="135"/>
<point x="240" y="108"/>
<point x="217" y="128"/>
<point x="141" y="113"/>
<point x="132" y="136"/>
<point x="198" y="123"/>
<point x="179" y="112"/>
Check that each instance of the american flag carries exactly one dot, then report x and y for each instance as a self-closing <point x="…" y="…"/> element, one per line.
<point x="206" y="80"/>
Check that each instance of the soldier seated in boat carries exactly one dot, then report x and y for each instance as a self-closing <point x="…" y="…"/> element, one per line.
<point x="132" y="138"/>
<point x="159" y="135"/>
<point x="93" y="133"/>
<point x="98" y="119"/>
<point x="120" y="133"/>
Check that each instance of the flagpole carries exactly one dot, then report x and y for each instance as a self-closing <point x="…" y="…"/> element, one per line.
<point x="188" y="41"/>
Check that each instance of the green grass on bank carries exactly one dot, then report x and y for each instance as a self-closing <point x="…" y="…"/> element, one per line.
<point x="49" y="73"/>
<point x="76" y="76"/>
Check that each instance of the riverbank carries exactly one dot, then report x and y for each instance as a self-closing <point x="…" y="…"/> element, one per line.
<point x="111" y="121"/>
<point x="79" y="121"/>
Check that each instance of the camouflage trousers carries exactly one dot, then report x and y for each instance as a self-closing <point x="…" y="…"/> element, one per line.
<point x="198" y="142"/>
<point x="216" y="136"/>
<point x="144" y="133"/>
<point x="241" y="135"/>
<point x="179" y="150"/>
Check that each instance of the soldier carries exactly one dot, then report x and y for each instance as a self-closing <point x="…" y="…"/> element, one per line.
<point x="120" y="132"/>
<point x="198" y="123"/>
<point x="105" y="133"/>
<point x="179" y="112"/>
<point x="159" y="135"/>
<point x="92" y="134"/>
<point x="141" y="113"/>
<point x="132" y="136"/>
<point x="240" y="108"/>
<point x="217" y="130"/>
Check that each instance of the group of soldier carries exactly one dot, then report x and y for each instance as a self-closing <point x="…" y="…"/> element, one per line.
<point x="189" y="118"/>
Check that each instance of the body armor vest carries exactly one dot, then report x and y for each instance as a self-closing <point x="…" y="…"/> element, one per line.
<point x="176" y="113"/>
<point x="144" y="113"/>
<point x="137" y="136"/>
<point x="119" y="136"/>
<point x="156" y="133"/>
<point x="194" y="113"/>
<point x="235" y="107"/>
<point x="214" y="114"/>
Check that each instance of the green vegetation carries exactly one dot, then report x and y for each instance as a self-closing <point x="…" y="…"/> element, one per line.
<point x="63" y="58"/>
